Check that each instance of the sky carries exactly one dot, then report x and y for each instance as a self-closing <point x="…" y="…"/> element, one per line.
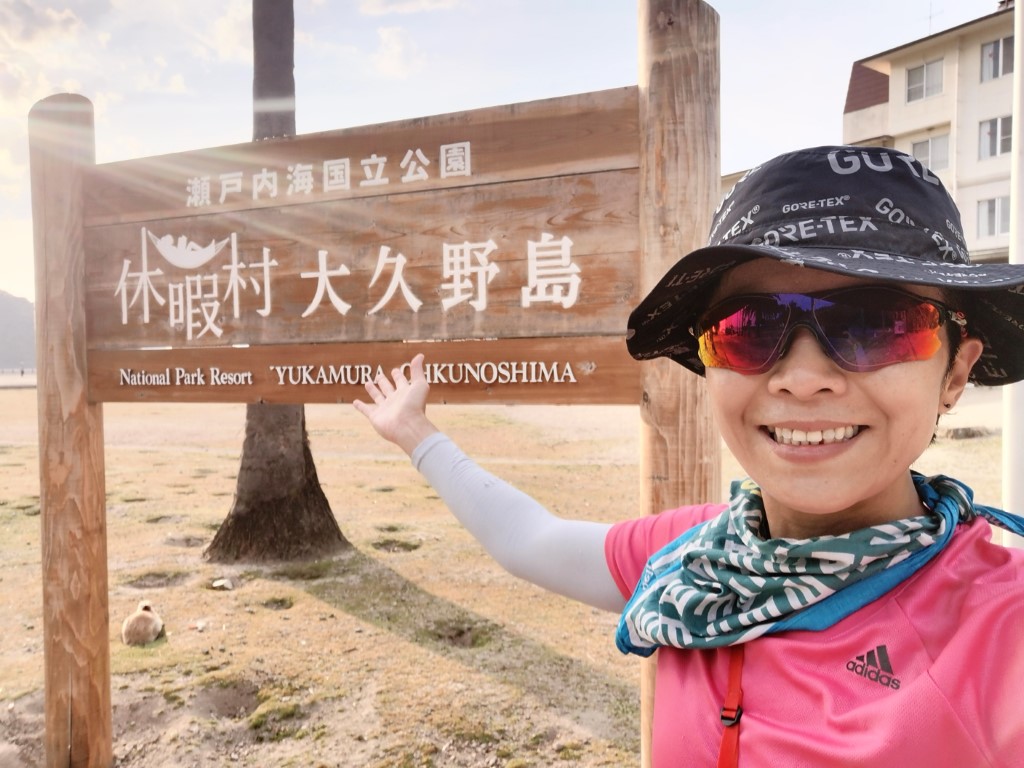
<point x="168" y="76"/>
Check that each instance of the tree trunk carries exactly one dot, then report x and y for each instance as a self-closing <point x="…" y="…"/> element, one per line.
<point x="279" y="511"/>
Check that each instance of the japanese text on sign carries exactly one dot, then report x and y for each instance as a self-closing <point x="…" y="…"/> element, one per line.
<point x="199" y="302"/>
<point x="332" y="175"/>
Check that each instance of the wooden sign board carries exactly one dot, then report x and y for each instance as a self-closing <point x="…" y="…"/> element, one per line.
<point x="515" y="223"/>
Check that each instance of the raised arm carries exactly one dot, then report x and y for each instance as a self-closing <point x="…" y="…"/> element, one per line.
<point x="563" y="556"/>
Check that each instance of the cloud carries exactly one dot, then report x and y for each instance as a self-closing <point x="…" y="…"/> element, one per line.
<point x="12" y="176"/>
<point x="12" y="80"/>
<point x="385" y="7"/>
<point x="228" y="37"/>
<point x="24" y="22"/>
<point x="25" y="29"/>
<point x="397" y="56"/>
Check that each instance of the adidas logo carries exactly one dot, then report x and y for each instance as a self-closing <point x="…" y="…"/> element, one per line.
<point x="875" y="665"/>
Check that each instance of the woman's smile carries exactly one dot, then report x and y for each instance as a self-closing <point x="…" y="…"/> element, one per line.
<point x="825" y="436"/>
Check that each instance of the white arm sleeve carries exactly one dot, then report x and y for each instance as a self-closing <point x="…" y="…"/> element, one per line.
<point x="563" y="556"/>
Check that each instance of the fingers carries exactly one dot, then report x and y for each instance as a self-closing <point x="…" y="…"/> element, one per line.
<point x="384" y="383"/>
<point x="416" y="368"/>
<point x="372" y="390"/>
<point x="381" y="388"/>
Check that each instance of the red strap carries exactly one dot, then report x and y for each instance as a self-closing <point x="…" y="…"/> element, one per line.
<point x="729" y="753"/>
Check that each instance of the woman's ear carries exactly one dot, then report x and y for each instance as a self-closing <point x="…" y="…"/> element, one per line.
<point x="960" y="370"/>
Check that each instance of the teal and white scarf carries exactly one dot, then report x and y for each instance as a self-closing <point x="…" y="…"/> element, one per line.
<point x="721" y="584"/>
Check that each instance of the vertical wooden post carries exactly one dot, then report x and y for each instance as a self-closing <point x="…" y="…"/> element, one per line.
<point x="76" y="623"/>
<point x="680" y="180"/>
<point x="1013" y="394"/>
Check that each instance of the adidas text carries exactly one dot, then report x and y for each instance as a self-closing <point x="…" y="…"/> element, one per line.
<point x="873" y="673"/>
<point x="875" y="666"/>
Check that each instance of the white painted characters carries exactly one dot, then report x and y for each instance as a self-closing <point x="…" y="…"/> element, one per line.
<point x="143" y="626"/>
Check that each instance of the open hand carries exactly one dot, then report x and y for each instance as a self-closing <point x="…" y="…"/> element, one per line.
<point x="398" y="411"/>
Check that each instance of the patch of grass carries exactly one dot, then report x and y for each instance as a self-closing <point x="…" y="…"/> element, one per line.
<point x="477" y="733"/>
<point x="395" y="545"/>
<point x="174" y="698"/>
<point x="152" y="579"/>
<point x="223" y="682"/>
<point x="543" y="737"/>
<point x="27" y="505"/>
<point x="311" y="571"/>
<point x="270" y="711"/>
<point x="410" y="756"/>
<point x="459" y="633"/>
<point x="272" y="721"/>
<point x="155" y="519"/>
<point x="278" y="603"/>
<point x="572" y="750"/>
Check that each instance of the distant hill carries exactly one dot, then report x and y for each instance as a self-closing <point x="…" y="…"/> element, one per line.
<point x="17" y="332"/>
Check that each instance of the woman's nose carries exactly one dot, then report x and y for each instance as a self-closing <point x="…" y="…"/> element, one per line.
<point x="805" y="369"/>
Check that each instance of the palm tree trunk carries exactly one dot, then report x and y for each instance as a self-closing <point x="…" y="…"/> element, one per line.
<point x="279" y="512"/>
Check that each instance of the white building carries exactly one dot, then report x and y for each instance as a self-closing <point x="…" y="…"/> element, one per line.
<point x="947" y="99"/>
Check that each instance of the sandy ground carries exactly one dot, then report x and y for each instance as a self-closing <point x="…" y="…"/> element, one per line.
<point x="411" y="649"/>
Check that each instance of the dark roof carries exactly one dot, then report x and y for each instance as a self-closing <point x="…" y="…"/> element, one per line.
<point x="866" y="89"/>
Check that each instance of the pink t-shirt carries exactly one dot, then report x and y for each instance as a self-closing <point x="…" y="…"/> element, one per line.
<point x="932" y="674"/>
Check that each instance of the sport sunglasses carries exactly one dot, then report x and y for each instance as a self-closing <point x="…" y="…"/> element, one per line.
<point x="861" y="328"/>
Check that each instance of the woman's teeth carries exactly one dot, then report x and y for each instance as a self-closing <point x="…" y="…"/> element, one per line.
<point x="812" y="437"/>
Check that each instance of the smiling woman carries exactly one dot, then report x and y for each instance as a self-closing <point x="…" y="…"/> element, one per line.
<point x="832" y="341"/>
<point x="774" y="417"/>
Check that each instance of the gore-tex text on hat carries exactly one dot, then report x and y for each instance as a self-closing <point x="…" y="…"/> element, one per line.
<point x="808" y="229"/>
<point x="828" y="202"/>
<point x="881" y="162"/>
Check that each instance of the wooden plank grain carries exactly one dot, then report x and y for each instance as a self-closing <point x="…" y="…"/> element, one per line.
<point x="551" y="371"/>
<point x="72" y="503"/>
<point x="552" y="137"/>
<point x="176" y="306"/>
<point x="679" y="186"/>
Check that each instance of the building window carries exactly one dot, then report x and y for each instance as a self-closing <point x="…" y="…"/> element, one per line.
<point x="997" y="59"/>
<point x="994" y="137"/>
<point x="924" y="81"/>
<point x="994" y="216"/>
<point x="933" y="152"/>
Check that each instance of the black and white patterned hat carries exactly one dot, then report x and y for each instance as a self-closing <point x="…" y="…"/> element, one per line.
<point x="870" y="212"/>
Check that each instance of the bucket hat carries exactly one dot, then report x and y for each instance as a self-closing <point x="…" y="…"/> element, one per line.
<point x="870" y="212"/>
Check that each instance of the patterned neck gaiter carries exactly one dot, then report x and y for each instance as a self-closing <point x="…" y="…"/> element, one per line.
<point x="721" y="584"/>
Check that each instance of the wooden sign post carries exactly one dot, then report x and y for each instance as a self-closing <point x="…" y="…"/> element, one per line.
<point x="509" y="244"/>
<point x="76" y="621"/>
<point x="680" y="182"/>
